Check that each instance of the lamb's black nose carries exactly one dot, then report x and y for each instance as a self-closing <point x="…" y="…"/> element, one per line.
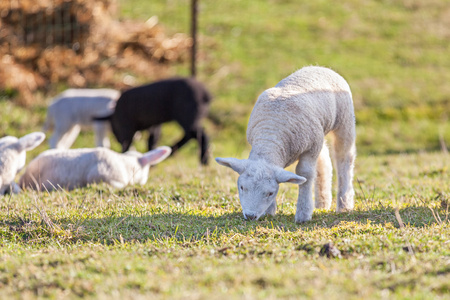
<point x="250" y="217"/>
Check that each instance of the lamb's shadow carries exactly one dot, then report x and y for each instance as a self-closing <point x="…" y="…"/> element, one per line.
<point x="185" y="226"/>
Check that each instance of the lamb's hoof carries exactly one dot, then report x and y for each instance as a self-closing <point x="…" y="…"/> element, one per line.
<point x="204" y="160"/>
<point x="302" y="218"/>
<point x="322" y="206"/>
<point x="323" y="203"/>
<point x="342" y="209"/>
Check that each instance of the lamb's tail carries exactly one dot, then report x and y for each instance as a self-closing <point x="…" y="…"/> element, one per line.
<point x="104" y="118"/>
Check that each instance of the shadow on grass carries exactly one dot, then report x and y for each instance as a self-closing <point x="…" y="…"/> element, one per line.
<point x="185" y="226"/>
<point x="193" y="227"/>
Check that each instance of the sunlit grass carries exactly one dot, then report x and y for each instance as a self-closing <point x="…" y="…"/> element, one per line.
<point x="182" y="235"/>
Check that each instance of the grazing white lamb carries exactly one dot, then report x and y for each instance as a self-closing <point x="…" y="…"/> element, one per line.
<point x="73" y="168"/>
<point x="13" y="157"/>
<point x="75" y="108"/>
<point x="289" y="123"/>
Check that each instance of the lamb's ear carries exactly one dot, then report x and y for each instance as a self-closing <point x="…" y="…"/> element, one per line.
<point x="155" y="156"/>
<point x="286" y="176"/>
<point x="31" y="141"/>
<point x="237" y="165"/>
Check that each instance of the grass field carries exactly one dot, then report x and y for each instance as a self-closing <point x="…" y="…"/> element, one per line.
<point x="182" y="235"/>
<point x="393" y="53"/>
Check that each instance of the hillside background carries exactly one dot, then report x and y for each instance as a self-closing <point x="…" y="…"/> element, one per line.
<point x="182" y="234"/>
<point x="394" y="54"/>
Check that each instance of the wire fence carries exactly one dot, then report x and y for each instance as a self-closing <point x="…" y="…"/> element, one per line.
<point x="67" y="22"/>
<point x="85" y="43"/>
<point x="47" y="24"/>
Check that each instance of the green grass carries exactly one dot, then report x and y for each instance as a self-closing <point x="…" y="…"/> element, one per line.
<point x="394" y="54"/>
<point x="182" y="235"/>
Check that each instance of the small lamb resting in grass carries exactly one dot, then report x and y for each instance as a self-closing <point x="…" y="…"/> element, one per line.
<point x="74" y="168"/>
<point x="75" y="108"/>
<point x="13" y="157"/>
<point x="289" y="123"/>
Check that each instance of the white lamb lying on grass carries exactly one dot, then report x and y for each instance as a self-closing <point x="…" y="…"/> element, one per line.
<point x="289" y="123"/>
<point x="75" y="108"/>
<point x="13" y="157"/>
<point x="73" y="168"/>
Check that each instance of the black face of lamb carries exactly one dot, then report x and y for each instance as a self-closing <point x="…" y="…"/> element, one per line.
<point x="183" y="100"/>
<point x="120" y="134"/>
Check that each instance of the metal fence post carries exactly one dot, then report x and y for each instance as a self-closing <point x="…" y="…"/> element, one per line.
<point x="194" y="11"/>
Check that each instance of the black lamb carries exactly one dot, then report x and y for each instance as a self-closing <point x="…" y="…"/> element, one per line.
<point x="184" y="100"/>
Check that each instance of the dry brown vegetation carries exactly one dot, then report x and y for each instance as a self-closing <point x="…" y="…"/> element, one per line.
<point x="79" y="43"/>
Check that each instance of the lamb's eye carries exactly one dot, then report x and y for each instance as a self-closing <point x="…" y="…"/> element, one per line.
<point x="270" y="194"/>
<point x="242" y="188"/>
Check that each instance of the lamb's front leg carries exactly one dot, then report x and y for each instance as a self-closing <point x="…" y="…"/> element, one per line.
<point x="101" y="134"/>
<point x="307" y="168"/>
<point x="154" y="136"/>
<point x="69" y="137"/>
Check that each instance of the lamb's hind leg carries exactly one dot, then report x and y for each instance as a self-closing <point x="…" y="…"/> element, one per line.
<point x="345" y="154"/>
<point x="322" y="185"/>
<point x="188" y="134"/>
<point x="203" y="141"/>
<point x="307" y="168"/>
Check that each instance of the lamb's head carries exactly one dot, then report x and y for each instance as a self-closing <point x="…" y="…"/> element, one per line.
<point x="258" y="184"/>
<point x="118" y="128"/>
<point x="13" y="157"/>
